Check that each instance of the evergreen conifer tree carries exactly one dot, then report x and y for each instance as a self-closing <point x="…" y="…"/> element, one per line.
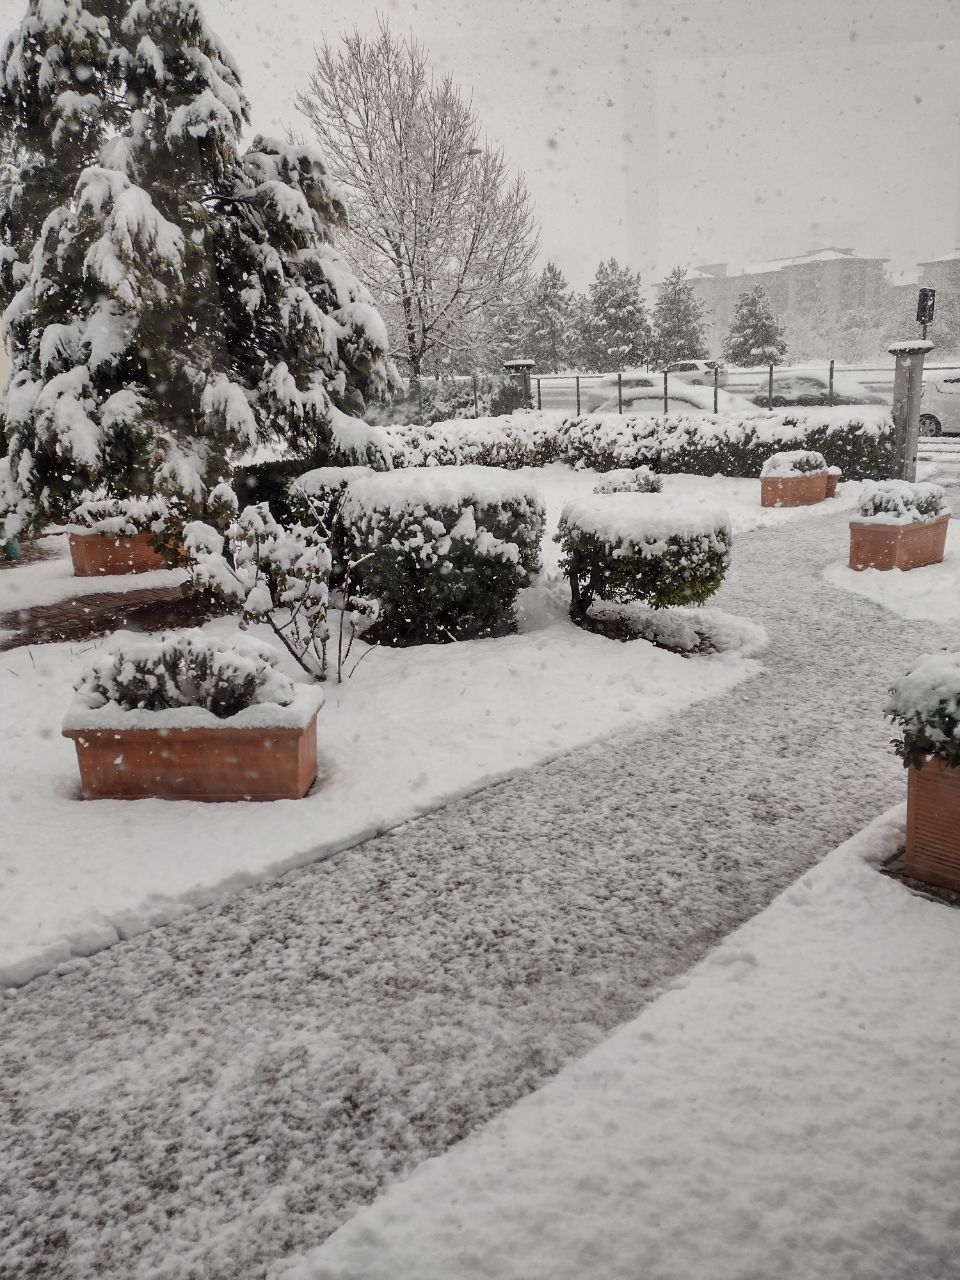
<point x="550" y="325"/>
<point x="756" y="336"/>
<point x="678" y="321"/>
<point x="617" y="334"/>
<point x="181" y="301"/>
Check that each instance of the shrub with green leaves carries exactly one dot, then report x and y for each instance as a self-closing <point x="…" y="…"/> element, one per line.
<point x="624" y="548"/>
<point x="185" y="669"/>
<point x="630" y="480"/>
<point x="925" y="703"/>
<point x="900" y="502"/>
<point x="444" y="550"/>
<point x="520" y="440"/>
<point x="316" y="499"/>
<point x="794" y="462"/>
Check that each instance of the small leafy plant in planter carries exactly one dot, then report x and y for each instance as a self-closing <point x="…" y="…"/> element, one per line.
<point x="111" y="535"/>
<point x="620" y="550"/>
<point x="193" y="717"/>
<point x="925" y="704"/>
<point x="797" y="478"/>
<point x="899" y="525"/>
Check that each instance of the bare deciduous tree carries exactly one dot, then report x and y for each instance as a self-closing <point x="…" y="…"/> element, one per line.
<point x="439" y="229"/>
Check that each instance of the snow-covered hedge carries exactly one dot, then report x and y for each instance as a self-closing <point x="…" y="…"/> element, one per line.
<point x="519" y="440"/>
<point x="630" y="480"/>
<point x="316" y="499"/>
<point x="925" y="703"/>
<point x="185" y="669"/>
<point x="445" y="551"/>
<point x="857" y="439"/>
<point x="795" y="462"/>
<point x="900" y="502"/>
<point x="627" y="548"/>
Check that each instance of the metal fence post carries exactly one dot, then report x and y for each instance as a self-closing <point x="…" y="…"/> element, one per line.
<point x="716" y="388"/>
<point x="770" y="389"/>
<point x="830" y="392"/>
<point x="476" y="398"/>
<point x="619" y="393"/>
<point x="666" y="401"/>
<point x="578" y="395"/>
<point x="539" y="401"/>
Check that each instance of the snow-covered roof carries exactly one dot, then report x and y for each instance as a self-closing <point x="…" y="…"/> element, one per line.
<point x="803" y="259"/>
<point x="947" y="257"/>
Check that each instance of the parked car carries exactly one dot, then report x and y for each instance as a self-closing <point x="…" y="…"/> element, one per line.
<point x="698" y="372"/>
<point x="940" y="404"/>
<point x="645" y="395"/>
<point x="809" y="389"/>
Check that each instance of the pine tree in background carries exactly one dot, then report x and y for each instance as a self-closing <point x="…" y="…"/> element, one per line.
<point x="756" y="335"/>
<point x="617" y="330"/>
<point x="678" y="322"/>
<point x="181" y="302"/>
<point x="550" y="331"/>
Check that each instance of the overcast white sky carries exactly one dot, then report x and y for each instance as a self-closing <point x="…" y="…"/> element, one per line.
<point x="677" y="130"/>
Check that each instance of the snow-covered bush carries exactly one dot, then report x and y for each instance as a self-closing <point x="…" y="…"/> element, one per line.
<point x="630" y="480"/>
<point x="185" y="669"/>
<point x="277" y="575"/>
<point x="123" y="517"/>
<point x="795" y="462"/>
<point x="925" y="703"/>
<point x="316" y="499"/>
<point x="858" y="440"/>
<point x="900" y="502"/>
<point x="519" y="440"/>
<point x="445" y="551"/>
<point x="624" y="548"/>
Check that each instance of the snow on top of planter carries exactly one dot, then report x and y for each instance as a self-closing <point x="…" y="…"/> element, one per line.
<point x="931" y="685"/>
<point x="117" y="517"/>
<point x="434" y="487"/>
<point x="643" y="520"/>
<point x="797" y="462"/>
<point x="900" y="502"/>
<point x="188" y="680"/>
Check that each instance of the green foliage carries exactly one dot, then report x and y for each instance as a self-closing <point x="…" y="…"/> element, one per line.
<point x="925" y="703"/>
<point x="679" y="322"/>
<point x="551" y="322"/>
<point x="678" y="570"/>
<point x="756" y="336"/>
<point x="616" y="331"/>
<point x="444" y="573"/>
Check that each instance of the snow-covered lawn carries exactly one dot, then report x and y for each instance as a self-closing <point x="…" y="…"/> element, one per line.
<point x="410" y="730"/>
<point x="790" y="1108"/>
<point x="931" y="593"/>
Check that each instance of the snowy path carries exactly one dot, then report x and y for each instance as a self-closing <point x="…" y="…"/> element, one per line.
<point x="219" y="1093"/>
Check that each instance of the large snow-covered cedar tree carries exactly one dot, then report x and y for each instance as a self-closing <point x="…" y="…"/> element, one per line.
<point x="756" y="335"/>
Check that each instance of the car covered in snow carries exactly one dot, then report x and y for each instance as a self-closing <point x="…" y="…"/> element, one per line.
<point x="644" y="394"/>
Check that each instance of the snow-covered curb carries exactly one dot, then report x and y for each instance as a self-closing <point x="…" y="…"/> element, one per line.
<point x="788" y="1108"/>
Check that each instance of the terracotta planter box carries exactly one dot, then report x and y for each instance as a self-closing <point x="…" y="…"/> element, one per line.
<point x="222" y="760"/>
<point x="832" y="482"/>
<point x="933" y="824"/>
<point x="793" y="491"/>
<point x="897" y="546"/>
<point x="96" y="554"/>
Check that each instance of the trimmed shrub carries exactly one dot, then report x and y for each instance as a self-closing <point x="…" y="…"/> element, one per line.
<point x="925" y="703"/>
<point x="900" y="502"/>
<point x="186" y="669"/>
<point x="622" y="548"/>
<point x="521" y="440"/>
<point x="316" y="499"/>
<point x="635" y="480"/>
<point x="448" y="548"/>
<point x="797" y="462"/>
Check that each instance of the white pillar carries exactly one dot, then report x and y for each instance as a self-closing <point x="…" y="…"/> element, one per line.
<point x="907" y="388"/>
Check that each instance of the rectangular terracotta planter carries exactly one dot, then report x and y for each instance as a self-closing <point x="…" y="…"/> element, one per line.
<point x="833" y="479"/>
<point x="96" y="554"/>
<point x="933" y="824"/>
<point x="208" y="763"/>
<point x="897" y="546"/>
<point x="793" y="491"/>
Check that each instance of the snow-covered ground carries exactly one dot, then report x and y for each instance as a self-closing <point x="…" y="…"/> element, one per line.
<point x="50" y="581"/>
<point x="932" y="592"/>
<point x="790" y="1108"/>
<point x="444" y="720"/>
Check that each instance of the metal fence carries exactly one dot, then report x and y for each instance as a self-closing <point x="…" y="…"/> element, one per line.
<point x="776" y="386"/>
